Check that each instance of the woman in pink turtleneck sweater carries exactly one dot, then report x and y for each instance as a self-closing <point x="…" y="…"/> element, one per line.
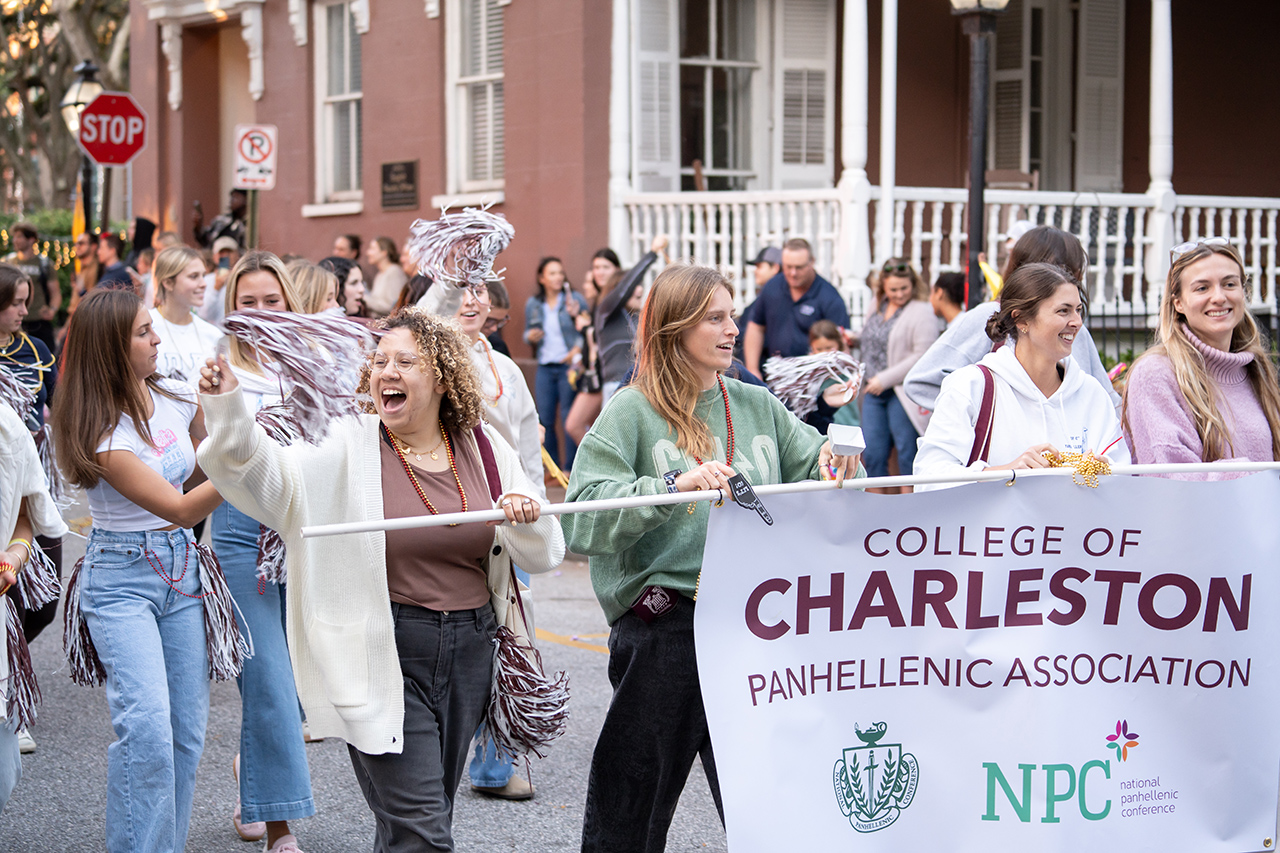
<point x="1207" y="392"/>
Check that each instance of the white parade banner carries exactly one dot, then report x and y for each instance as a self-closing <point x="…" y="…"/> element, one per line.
<point x="1041" y="667"/>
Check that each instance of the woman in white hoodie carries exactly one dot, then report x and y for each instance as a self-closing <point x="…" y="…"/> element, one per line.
<point x="1043" y="402"/>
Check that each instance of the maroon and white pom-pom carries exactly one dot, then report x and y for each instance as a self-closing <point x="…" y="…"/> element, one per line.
<point x="227" y="647"/>
<point x="459" y="247"/>
<point x="16" y="393"/>
<point x="83" y="664"/>
<point x="320" y="356"/>
<point x="797" y="381"/>
<point x="527" y="708"/>
<point x="22" y="691"/>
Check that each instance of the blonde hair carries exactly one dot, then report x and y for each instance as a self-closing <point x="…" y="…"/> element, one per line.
<point x="1189" y="366"/>
<point x="314" y="285"/>
<point x="678" y="301"/>
<point x="169" y="265"/>
<point x="441" y="344"/>
<point x="258" y="261"/>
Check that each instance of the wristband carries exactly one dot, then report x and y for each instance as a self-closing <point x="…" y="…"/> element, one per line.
<point x="25" y="544"/>
<point x="670" y="478"/>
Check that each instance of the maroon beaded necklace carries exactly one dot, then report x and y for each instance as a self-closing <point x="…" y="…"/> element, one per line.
<point x="417" y="487"/>
<point x="728" y="419"/>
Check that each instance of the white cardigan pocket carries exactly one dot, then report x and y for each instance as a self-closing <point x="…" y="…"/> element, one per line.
<point x="344" y="661"/>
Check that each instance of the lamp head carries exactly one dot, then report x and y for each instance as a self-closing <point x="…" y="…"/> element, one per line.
<point x="79" y="95"/>
<point x="962" y="7"/>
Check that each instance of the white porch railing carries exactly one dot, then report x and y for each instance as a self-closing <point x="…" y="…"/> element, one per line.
<point x="728" y="229"/>
<point x="929" y="229"/>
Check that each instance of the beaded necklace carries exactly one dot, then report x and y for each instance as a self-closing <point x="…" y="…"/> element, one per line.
<point x="728" y="419"/>
<point x="488" y="351"/>
<point x="417" y="487"/>
<point x="11" y="353"/>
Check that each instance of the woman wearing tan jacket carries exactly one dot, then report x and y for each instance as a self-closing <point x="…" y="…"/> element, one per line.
<point x="896" y="333"/>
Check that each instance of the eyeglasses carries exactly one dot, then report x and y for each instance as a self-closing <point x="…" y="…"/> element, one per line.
<point x="896" y="268"/>
<point x="493" y="324"/>
<point x="1183" y="248"/>
<point x="404" y="362"/>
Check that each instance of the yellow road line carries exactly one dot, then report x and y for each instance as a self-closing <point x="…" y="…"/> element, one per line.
<point x="572" y="641"/>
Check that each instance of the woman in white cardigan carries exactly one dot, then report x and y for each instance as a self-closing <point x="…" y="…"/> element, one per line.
<point x="391" y="633"/>
<point x="897" y="332"/>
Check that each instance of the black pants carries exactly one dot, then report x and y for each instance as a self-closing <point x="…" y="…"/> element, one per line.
<point x="447" y="663"/>
<point x="655" y="726"/>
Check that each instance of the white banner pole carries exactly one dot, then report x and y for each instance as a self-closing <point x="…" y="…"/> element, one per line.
<point x="966" y="476"/>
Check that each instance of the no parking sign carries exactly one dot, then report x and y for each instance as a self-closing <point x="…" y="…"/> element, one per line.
<point x="255" y="156"/>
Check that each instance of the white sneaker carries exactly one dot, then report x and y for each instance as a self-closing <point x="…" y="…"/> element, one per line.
<point x="26" y="743"/>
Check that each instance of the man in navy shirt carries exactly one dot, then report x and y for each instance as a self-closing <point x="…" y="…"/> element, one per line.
<point x="792" y="301"/>
<point x="114" y="273"/>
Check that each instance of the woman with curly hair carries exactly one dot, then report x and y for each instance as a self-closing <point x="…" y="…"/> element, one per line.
<point x="391" y="633"/>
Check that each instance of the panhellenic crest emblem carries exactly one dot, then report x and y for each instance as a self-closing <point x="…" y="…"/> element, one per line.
<point x="876" y="781"/>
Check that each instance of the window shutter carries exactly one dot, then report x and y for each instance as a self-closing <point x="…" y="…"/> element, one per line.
<point x="1008" y="143"/>
<point x="656" y="96"/>
<point x="1100" y="98"/>
<point x="804" y="80"/>
<point x="481" y="57"/>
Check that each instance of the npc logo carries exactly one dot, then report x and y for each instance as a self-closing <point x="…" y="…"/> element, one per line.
<point x="875" y="782"/>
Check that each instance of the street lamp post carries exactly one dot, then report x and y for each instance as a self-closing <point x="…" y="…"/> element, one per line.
<point x="979" y="19"/>
<point x="79" y="95"/>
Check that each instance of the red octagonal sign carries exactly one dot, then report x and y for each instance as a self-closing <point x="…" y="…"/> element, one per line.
<point x="113" y="129"/>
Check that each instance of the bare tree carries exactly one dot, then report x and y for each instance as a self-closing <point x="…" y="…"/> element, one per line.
<point x="40" y="45"/>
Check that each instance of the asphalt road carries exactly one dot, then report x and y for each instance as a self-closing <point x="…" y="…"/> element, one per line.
<point x="61" y="801"/>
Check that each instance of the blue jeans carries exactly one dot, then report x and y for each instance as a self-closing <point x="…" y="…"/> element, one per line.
<point x="885" y="425"/>
<point x="490" y="768"/>
<point x="149" y="634"/>
<point x="275" y="783"/>
<point x="552" y="389"/>
<point x="10" y="759"/>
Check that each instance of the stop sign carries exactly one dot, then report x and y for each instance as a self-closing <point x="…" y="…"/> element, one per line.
<point x="113" y="129"/>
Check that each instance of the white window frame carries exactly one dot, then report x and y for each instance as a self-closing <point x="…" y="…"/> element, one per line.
<point x="1062" y="99"/>
<point x="458" y="123"/>
<point x="708" y="64"/>
<point x="325" y="194"/>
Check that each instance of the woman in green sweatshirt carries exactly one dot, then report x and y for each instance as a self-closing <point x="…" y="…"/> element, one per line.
<point x="680" y="427"/>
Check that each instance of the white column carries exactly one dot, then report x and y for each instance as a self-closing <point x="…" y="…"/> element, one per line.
<point x="888" y="130"/>
<point x="171" y="44"/>
<point x="1160" y="191"/>
<point x="855" y="189"/>
<point x="620" y="132"/>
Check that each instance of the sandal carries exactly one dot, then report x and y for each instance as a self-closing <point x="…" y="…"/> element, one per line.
<point x="255" y="831"/>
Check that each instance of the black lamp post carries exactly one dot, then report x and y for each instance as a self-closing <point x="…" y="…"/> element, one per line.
<point x="79" y="95"/>
<point x="979" y="20"/>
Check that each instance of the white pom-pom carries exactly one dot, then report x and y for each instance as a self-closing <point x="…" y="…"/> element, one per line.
<point x="797" y="381"/>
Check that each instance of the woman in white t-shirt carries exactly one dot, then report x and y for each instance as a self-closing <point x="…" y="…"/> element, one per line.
<point x="186" y="341"/>
<point x="128" y="436"/>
